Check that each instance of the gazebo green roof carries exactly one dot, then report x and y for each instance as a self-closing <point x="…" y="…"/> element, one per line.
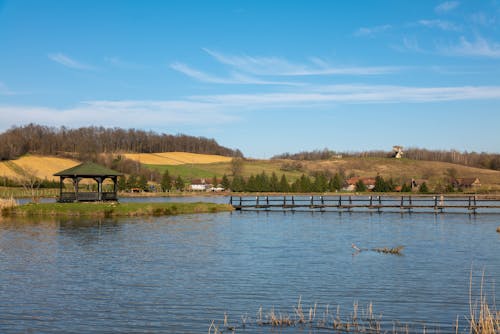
<point x="88" y="169"/>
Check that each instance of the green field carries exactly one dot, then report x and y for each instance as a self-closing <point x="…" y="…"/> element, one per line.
<point x="250" y="167"/>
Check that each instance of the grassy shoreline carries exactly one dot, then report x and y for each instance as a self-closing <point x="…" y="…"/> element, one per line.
<point x="108" y="210"/>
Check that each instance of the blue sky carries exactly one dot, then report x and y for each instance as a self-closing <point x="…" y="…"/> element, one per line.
<point x="266" y="77"/>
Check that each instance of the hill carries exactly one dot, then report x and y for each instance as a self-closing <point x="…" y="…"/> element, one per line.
<point x="194" y="166"/>
<point x="88" y="142"/>
<point x="42" y="167"/>
<point x="400" y="170"/>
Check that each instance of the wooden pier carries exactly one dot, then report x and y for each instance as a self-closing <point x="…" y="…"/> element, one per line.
<point x="379" y="203"/>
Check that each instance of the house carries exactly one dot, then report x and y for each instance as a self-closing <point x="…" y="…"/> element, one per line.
<point x="466" y="182"/>
<point x="216" y="189"/>
<point x="199" y="185"/>
<point x="369" y="182"/>
<point x="397" y="152"/>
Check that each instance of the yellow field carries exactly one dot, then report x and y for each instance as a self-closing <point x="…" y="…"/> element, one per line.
<point x="6" y="171"/>
<point x="175" y="158"/>
<point x="43" y="167"/>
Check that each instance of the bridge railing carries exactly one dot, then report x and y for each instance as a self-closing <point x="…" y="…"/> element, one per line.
<point x="379" y="202"/>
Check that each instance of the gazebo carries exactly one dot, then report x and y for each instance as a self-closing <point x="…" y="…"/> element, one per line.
<point x="88" y="170"/>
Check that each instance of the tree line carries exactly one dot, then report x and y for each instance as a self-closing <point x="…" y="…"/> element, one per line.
<point x="85" y="143"/>
<point x="471" y="159"/>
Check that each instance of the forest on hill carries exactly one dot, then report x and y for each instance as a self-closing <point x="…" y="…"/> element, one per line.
<point x="86" y="143"/>
<point x="470" y="159"/>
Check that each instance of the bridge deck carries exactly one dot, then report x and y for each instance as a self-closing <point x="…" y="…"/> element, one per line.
<point x="412" y="203"/>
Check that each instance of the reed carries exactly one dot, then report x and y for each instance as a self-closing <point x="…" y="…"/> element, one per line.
<point x="395" y="250"/>
<point x="483" y="318"/>
<point x="7" y="205"/>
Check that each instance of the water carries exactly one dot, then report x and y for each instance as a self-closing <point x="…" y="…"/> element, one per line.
<point x="177" y="274"/>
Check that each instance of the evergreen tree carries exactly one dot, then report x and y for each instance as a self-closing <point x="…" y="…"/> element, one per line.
<point x="336" y="183"/>
<point x="142" y="183"/>
<point x="423" y="188"/>
<point x="360" y="186"/>
<point x="166" y="181"/>
<point x="380" y="184"/>
<point x="320" y="183"/>
<point x="238" y="184"/>
<point x="179" y="183"/>
<point x="284" y="186"/>
<point x="251" y="185"/>
<point x="405" y="188"/>
<point x="305" y="184"/>
<point x="274" y="183"/>
<point x="214" y="181"/>
<point x="225" y="182"/>
<point x="131" y="181"/>
<point x="262" y="182"/>
<point x="122" y="183"/>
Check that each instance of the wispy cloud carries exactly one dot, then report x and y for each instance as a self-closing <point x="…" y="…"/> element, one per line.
<point x="65" y="60"/>
<point x="326" y="95"/>
<point x="120" y="63"/>
<point x="140" y="113"/>
<point x="446" y="6"/>
<point x="482" y="19"/>
<point x="479" y="47"/>
<point x="439" y="24"/>
<point x="235" y="78"/>
<point x="408" y="44"/>
<point x="370" y="31"/>
<point x="227" y="108"/>
<point x="275" y="66"/>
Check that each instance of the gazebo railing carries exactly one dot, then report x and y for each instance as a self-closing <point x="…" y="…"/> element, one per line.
<point x="87" y="196"/>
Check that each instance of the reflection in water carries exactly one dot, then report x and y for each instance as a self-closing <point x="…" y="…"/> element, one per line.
<point x="177" y="274"/>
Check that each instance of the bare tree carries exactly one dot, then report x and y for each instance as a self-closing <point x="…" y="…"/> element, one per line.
<point x="29" y="181"/>
<point x="236" y="166"/>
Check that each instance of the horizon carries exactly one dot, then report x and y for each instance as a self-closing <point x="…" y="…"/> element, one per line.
<point x="264" y="78"/>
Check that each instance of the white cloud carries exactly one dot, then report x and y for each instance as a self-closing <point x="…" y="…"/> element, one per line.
<point x="64" y="60"/>
<point x="326" y="95"/>
<point x="482" y="19"/>
<point x="117" y="62"/>
<point x="235" y="78"/>
<point x="227" y="108"/>
<point x="142" y="114"/>
<point x="274" y="66"/>
<point x="446" y="6"/>
<point x="440" y="24"/>
<point x="480" y="47"/>
<point x="370" y="31"/>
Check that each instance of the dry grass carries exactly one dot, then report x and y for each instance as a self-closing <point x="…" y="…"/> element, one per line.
<point x="483" y="317"/>
<point x="395" y="250"/>
<point x="404" y="169"/>
<point x="175" y="158"/>
<point x="7" y="204"/>
<point x="43" y="166"/>
<point x="7" y="171"/>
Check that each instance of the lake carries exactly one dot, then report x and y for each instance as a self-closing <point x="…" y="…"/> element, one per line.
<point x="178" y="274"/>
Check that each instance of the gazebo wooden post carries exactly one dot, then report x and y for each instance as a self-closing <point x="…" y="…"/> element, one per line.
<point x="99" y="188"/>
<point x="61" y="181"/>
<point x="76" y="180"/>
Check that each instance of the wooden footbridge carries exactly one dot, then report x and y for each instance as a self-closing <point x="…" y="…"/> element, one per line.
<point x="379" y="203"/>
